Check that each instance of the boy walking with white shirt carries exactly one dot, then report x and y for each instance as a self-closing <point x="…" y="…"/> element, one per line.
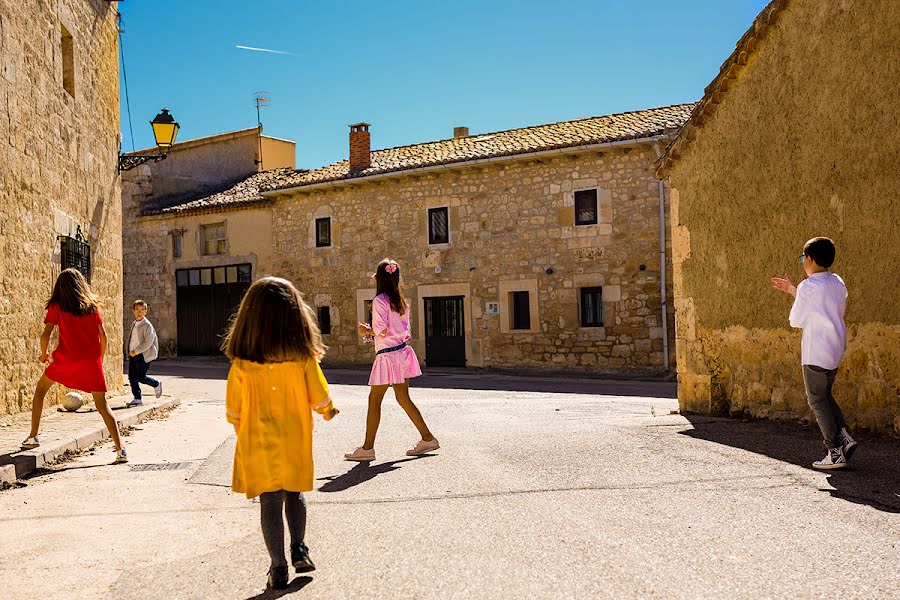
<point x="142" y="349"/>
<point x="819" y="303"/>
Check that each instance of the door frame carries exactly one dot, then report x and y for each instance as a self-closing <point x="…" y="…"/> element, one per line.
<point x="458" y="301"/>
<point x="473" y="357"/>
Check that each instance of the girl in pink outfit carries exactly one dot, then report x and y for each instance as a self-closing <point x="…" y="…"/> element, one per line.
<point x="395" y="361"/>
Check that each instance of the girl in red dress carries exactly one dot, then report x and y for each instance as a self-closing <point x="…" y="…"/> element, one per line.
<point x="78" y="357"/>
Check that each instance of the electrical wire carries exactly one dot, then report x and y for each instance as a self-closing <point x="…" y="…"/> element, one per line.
<point x="125" y="77"/>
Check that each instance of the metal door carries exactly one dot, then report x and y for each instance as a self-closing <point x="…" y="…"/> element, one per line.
<point x="207" y="299"/>
<point x="445" y="338"/>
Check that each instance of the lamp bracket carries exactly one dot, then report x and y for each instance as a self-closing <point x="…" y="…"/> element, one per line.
<point x="130" y="161"/>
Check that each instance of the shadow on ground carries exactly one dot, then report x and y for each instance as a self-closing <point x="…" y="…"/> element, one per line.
<point x="362" y="472"/>
<point x="461" y="379"/>
<point x="296" y="585"/>
<point x="873" y="478"/>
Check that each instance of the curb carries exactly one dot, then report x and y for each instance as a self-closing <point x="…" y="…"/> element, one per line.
<point x="27" y="461"/>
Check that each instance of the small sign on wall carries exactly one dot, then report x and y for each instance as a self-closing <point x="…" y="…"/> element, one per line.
<point x="492" y="308"/>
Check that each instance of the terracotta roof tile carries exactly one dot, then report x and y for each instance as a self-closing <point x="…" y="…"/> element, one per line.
<point x="242" y="193"/>
<point x="568" y="134"/>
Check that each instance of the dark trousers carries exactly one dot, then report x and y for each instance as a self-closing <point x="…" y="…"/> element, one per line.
<point x="828" y="414"/>
<point x="137" y="374"/>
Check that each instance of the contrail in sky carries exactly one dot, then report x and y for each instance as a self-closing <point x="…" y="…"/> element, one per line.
<point x="264" y="50"/>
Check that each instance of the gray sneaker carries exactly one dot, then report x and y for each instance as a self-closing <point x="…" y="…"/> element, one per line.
<point x="158" y="390"/>
<point x="834" y="459"/>
<point x="848" y="444"/>
<point x="135" y="402"/>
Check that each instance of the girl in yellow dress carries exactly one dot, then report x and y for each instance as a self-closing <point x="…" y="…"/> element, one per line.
<point x="274" y="384"/>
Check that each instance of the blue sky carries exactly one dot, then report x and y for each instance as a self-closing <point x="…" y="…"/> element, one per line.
<point x="414" y="69"/>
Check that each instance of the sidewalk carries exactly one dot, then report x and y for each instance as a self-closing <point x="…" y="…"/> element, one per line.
<point x="62" y="431"/>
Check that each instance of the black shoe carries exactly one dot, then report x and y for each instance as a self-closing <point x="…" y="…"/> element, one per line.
<point x="278" y="578"/>
<point x="300" y="558"/>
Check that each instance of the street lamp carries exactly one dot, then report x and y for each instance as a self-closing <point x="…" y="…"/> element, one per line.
<point x="165" y="128"/>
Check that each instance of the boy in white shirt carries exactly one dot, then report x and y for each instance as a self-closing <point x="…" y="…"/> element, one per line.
<point x="819" y="303"/>
<point x="142" y="347"/>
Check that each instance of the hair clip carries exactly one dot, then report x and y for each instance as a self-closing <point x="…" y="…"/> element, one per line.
<point x="391" y="269"/>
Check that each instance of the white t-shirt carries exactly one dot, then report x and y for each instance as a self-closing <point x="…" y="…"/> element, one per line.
<point x="819" y="311"/>
<point x="135" y="340"/>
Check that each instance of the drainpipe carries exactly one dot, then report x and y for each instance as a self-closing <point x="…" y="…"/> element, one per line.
<point x="662" y="263"/>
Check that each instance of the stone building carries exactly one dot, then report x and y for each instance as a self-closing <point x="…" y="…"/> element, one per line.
<point x="796" y="137"/>
<point x="59" y="128"/>
<point x="195" y="233"/>
<point x="534" y="247"/>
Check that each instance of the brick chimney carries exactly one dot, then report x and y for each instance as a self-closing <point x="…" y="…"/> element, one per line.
<point x="360" y="147"/>
<point x="460" y="132"/>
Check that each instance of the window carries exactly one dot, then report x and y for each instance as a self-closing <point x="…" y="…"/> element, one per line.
<point x="176" y="243"/>
<point x="75" y="253"/>
<point x="213" y="275"/>
<point x="438" y="225"/>
<point x="368" y="312"/>
<point x="586" y="207"/>
<point x="591" y="307"/>
<point x="520" y="313"/>
<point x="323" y="232"/>
<point x="68" y="61"/>
<point x="325" y="319"/>
<point x="213" y="238"/>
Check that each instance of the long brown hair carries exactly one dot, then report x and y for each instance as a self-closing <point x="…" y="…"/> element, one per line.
<point x="274" y="324"/>
<point x="73" y="294"/>
<point x="391" y="284"/>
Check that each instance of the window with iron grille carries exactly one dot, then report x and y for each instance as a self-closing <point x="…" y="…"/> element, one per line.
<point x="586" y="207"/>
<point x="592" y="307"/>
<point x="75" y="253"/>
<point x="323" y="232"/>
<point x="213" y="238"/>
<point x="520" y="316"/>
<point x="325" y="319"/>
<point x="438" y="225"/>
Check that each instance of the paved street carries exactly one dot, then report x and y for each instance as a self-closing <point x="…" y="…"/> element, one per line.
<point x="543" y="488"/>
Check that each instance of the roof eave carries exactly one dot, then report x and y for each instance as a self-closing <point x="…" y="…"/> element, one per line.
<point x="466" y="163"/>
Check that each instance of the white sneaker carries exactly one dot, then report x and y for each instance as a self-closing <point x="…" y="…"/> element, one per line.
<point x="121" y="457"/>
<point x="848" y="444"/>
<point x="31" y="443"/>
<point x="135" y="402"/>
<point x="158" y="390"/>
<point x="834" y="459"/>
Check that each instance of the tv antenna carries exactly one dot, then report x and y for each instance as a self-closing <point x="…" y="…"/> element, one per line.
<point x="261" y="99"/>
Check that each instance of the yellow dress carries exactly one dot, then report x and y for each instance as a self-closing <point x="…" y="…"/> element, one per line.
<point x="270" y="406"/>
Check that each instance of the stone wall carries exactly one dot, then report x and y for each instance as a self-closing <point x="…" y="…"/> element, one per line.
<point x="149" y="263"/>
<point x="59" y="126"/>
<point x="509" y="223"/>
<point x="802" y="144"/>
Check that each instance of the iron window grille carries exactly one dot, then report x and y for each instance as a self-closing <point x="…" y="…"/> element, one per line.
<point x="75" y="253"/>
<point x="592" y="307"/>
<point x="438" y="225"/>
<point x="323" y="232"/>
<point x="586" y="207"/>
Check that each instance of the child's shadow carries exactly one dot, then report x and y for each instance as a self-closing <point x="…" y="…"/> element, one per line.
<point x="294" y="586"/>
<point x="362" y="472"/>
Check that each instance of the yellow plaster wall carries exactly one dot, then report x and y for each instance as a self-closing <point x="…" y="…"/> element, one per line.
<point x="804" y="143"/>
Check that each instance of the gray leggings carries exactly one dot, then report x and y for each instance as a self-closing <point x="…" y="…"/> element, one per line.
<point x="270" y="511"/>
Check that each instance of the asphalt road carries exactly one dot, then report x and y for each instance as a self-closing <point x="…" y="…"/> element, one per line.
<point x="543" y="488"/>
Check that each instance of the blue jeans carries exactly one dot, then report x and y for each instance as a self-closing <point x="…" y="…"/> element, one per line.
<point x="137" y="374"/>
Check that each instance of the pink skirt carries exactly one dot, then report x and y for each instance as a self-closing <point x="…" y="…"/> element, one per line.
<point x="395" y="367"/>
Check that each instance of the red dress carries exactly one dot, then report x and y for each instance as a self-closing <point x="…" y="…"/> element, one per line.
<point x="77" y="362"/>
